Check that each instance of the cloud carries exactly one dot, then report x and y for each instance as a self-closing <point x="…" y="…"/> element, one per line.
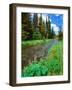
<point x="57" y="15"/>
<point x="55" y="27"/>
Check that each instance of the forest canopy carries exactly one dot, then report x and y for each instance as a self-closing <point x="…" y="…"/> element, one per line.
<point x="35" y="28"/>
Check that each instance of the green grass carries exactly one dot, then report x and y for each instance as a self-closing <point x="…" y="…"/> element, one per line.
<point x="55" y="58"/>
<point x="50" y="65"/>
<point x="34" y="42"/>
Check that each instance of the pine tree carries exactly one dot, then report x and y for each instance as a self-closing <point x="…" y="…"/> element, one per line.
<point x="42" y="26"/>
<point x="40" y="22"/>
<point x="36" y="33"/>
<point x="26" y="26"/>
<point x="48" y="27"/>
<point x="52" y="33"/>
<point x="46" y="34"/>
<point x="60" y="36"/>
<point x="43" y="29"/>
<point x="35" y="20"/>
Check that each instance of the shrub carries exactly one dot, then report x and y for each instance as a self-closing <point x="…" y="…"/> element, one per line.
<point x="42" y="68"/>
<point x="37" y="35"/>
<point x="35" y="70"/>
<point x="54" y="67"/>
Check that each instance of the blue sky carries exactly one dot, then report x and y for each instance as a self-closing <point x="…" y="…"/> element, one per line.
<point x="56" y="19"/>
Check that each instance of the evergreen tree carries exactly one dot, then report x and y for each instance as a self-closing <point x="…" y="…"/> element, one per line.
<point x="46" y="33"/>
<point x="36" y="33"/>
<point x="48" y="27"/>
<point x="42" y="26"/>
<point x="43" y="29"/>
<point x="35" y="20"/>
<point x="40" y="23"/>
<point x="52" y="33"/>
<point x="26" y="26"/>
<point x="60" y="36"/>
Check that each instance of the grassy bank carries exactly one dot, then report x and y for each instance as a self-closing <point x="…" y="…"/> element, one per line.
<point x="35" y="42"/>
<point x="50" y="65"/>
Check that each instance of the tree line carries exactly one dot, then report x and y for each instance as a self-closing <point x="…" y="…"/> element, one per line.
<point x="34" y="28"/>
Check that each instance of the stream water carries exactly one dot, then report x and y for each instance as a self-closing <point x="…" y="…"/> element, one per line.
<point x="33" y="53"/>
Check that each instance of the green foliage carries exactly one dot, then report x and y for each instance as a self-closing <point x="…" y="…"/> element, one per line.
<point x="35" y="20"/>
<point x="60" y="36"/>
<point x="56" y="58"/>
<point x="52" y="33"/>
<point x="42" y="26"/>
<point x="54" y="67"/>
<point x="34" y="42"/>
<point x="37" y="35"/>
<point x="34" y="70"/>
<point x="48" y="27"/>
<point x="30" y="26"/>
<point x="24" y="35"/>
<point x="27" y="29"/>
<point x="43" y="30"/>
<point x="50" y="65"/>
